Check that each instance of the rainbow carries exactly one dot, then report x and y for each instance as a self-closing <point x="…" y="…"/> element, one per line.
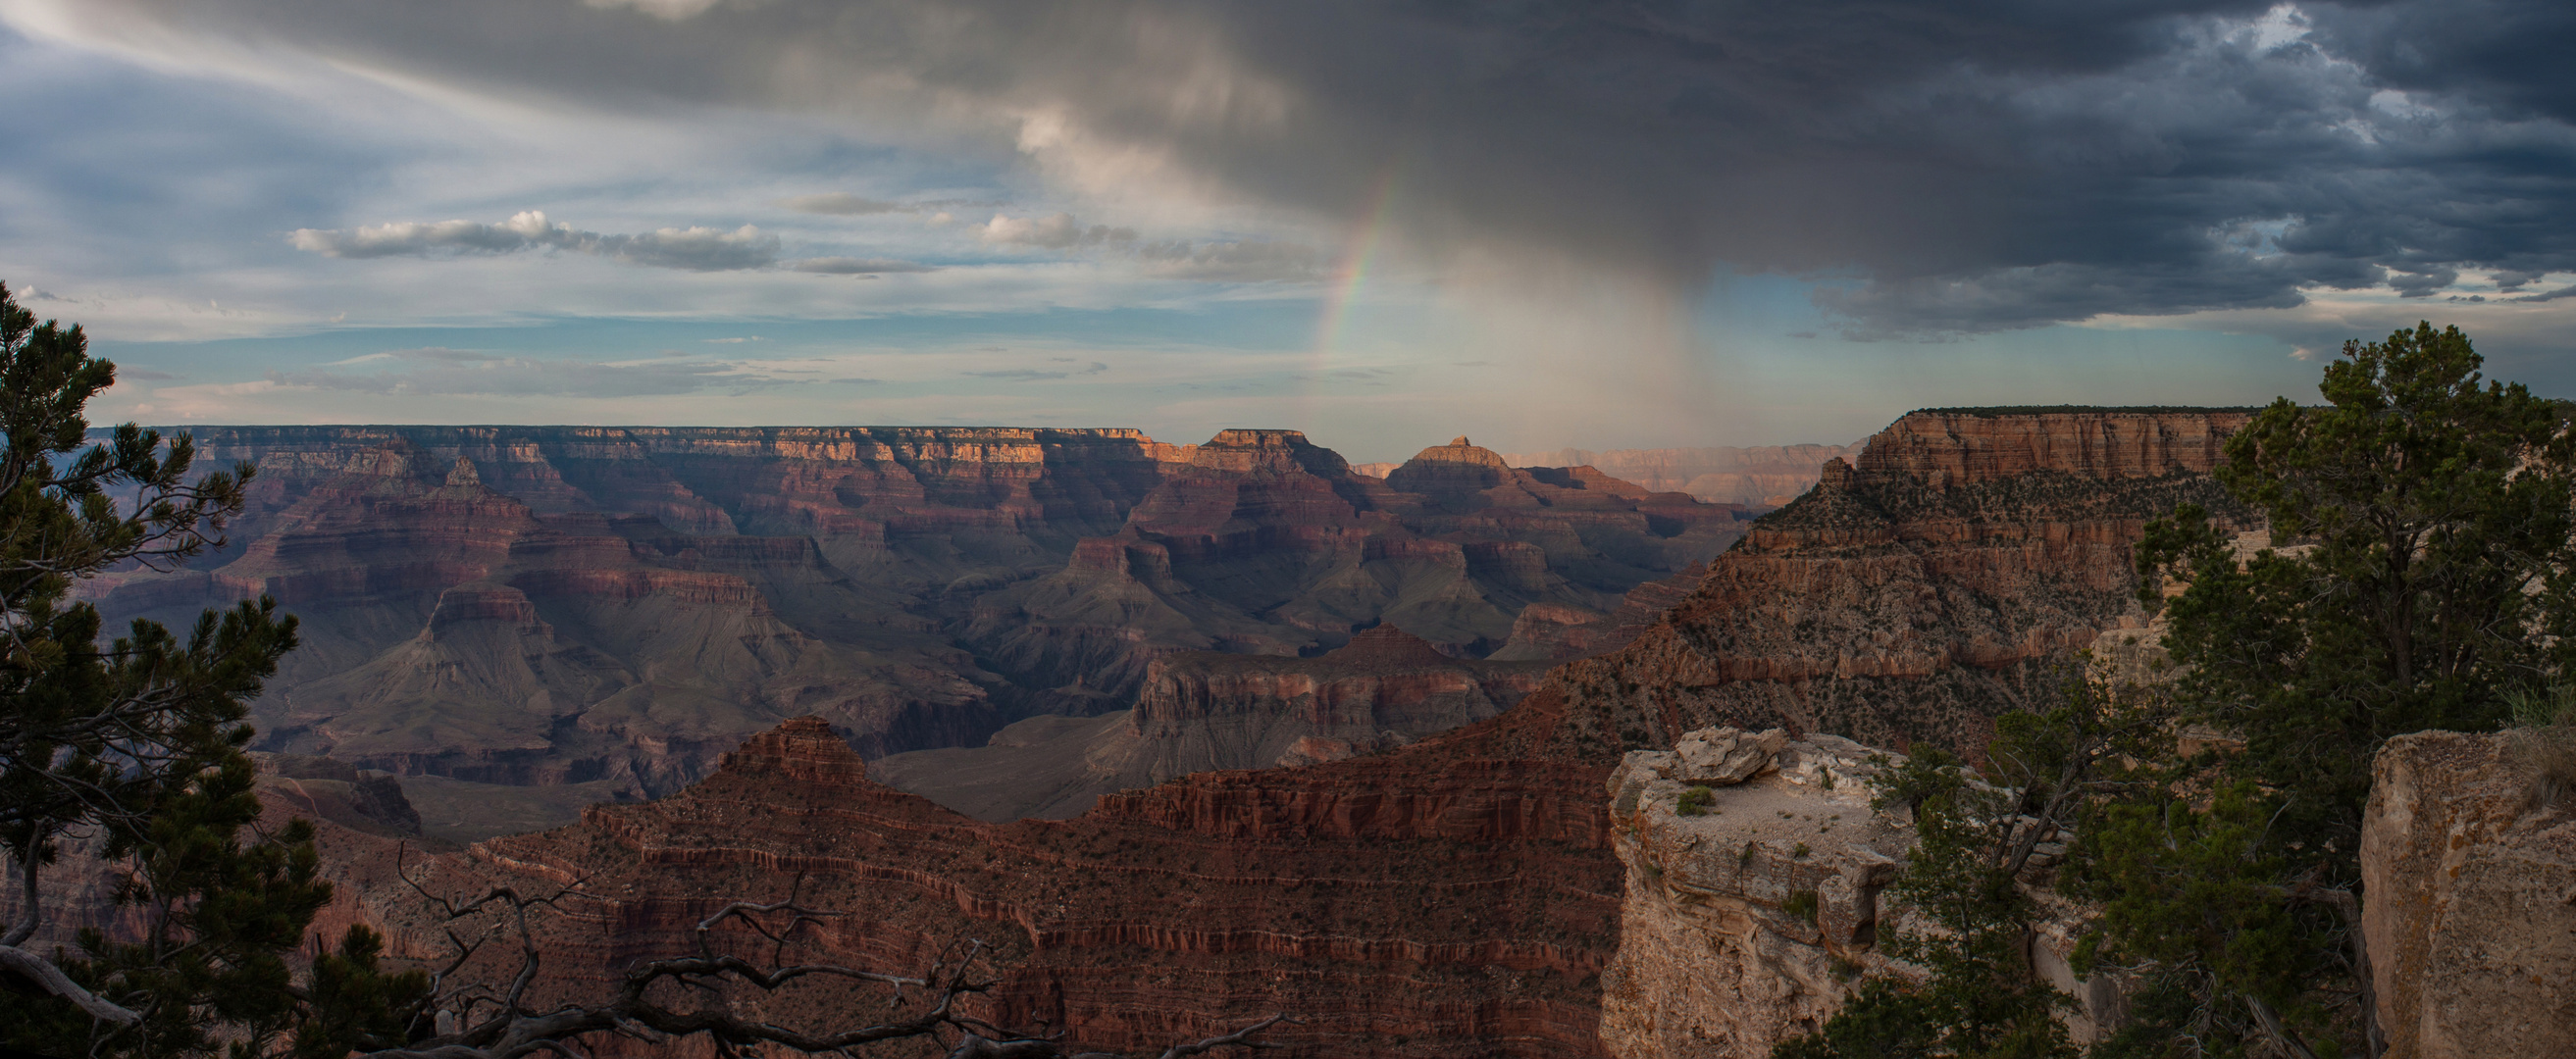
<point x="1357" y="252"/>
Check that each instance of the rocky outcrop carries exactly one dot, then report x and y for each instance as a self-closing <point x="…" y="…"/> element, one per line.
<point x="1752" y="908"/>
<point x="1756" y="867"/>
<point x="580" y="605"/>
<point x="1964" y="446"/>
<point x="2469" y="900"/>
<point x="1204" y="710"/>
<point x="322" y="789"/>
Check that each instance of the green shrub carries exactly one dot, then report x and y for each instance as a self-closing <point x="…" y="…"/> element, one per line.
<point x="1695" y="802"/>
<point x="1802" y="904"/>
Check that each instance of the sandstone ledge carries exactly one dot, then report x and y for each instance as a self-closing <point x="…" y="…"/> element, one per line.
<point x="1755" y="919"/>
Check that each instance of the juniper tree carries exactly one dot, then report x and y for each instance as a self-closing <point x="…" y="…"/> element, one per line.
<point x="2420" y="521"/>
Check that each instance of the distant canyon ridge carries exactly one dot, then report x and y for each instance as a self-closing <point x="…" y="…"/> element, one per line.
<point x="1755" y="476"/>
<point x="602" y="611"/>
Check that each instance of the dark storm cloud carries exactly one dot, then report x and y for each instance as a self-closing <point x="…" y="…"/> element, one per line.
<point x="1947" y="166"/>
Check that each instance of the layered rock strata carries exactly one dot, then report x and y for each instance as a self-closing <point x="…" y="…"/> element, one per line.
<point x="1915" y="595"/>
<point x="2469" y="897"/>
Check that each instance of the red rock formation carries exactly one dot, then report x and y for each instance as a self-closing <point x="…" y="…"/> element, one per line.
<point x="1266" y="544"/>
<point x="1919" y="593"/>
<point x="1945" y="447"/>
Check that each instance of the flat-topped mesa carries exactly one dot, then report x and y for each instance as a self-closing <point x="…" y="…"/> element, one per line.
<point x="1906" y="598"/>
<point x="1960" y="446"/>
<point x="1245" y="450"/>
<point x="1455" y="467"/>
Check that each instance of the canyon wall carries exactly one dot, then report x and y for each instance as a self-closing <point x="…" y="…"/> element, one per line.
<point x="620" y="605"/>
<point x="1917" y="594"/>
<point x="2469" y="897"/>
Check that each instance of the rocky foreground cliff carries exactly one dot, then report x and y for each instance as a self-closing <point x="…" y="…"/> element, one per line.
<point x="618" y="606"/>
<point x="2468" y="858"/>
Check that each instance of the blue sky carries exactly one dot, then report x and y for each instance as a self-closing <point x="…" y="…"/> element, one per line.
<point x="1382" y="228"/>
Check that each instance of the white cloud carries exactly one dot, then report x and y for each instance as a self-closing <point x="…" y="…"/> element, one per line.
<point x="842" y="203"/>
<point x="857" y="266"/>
<point x="1058" y="232"/>
<point x="695" y="249"/>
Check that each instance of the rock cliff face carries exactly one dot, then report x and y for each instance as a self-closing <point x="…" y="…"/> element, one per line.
<point x="569" y="605"/>
<point x="2469" y="900"/>
<point x="1914" y="595"/>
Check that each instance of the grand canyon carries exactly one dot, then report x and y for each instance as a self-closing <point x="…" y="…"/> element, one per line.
<point x="1191" y="735"/>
